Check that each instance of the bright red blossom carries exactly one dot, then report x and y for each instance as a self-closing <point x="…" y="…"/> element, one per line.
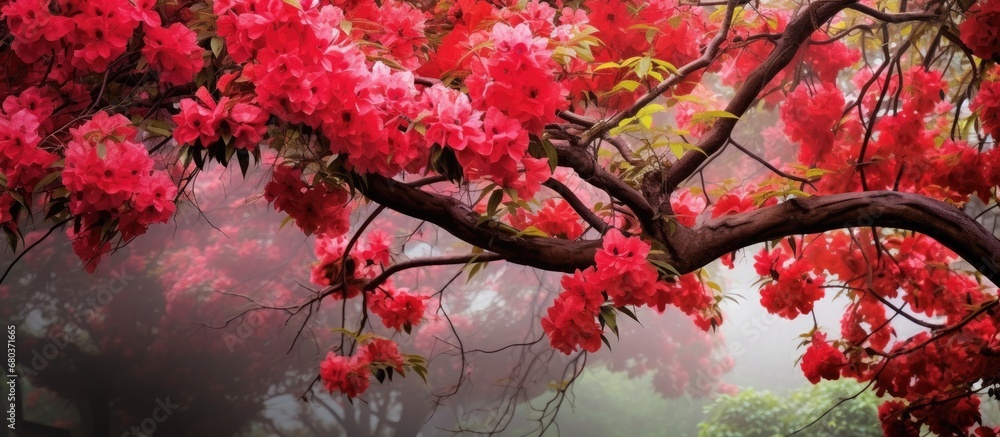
<point x="173" y="52"/>
<point x="822" y="361"/>
<point x="349" y="376"/>
<point x="981" y="29"/>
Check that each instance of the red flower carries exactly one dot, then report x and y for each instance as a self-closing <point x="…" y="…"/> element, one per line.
<point x="622" y="268"/>
<point x="987" y="103"/>
<point x="398" y="309"/>
<point x="570" y="323"/>
<point x="822" y="361"/>
<point x="687" y="207"/>
<point x="981" y="28"/>
<point x="173" y="52"/>
<point x="200" y="120"/>
<point x="382" y="352"/>
<point x="346" y="375"/>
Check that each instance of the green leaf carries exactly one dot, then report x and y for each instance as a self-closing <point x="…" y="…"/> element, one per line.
<point x="702" y="117"/>
<point x="607" y="65"/>
<point x="294" y="3"/>
<point x="476" y="267"/>
<point x="666" y="66"/>
<point x="158" y="128"/>
<point x="551" y="154"/>
<point x="610" y="317"/>
<point x="606" y="342"/>
<point x="244" y="158"/>
<point x="48" y="179"/>
<point x="532" y="231"/>
<point x="631" y="61"/>
<point x="216" y="43"/>
<point x="493" y="203"/>
<point x="628" y="312"/>
<point x="629" y="85"/>
<point x="643" y="67"/>
<point x="664" y="267"/>
<point x="285" y="222"/>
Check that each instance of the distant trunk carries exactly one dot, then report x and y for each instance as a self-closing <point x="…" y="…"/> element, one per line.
<point x="416" y="408"/>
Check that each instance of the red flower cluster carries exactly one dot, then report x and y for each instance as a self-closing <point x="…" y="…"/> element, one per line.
<point x="810" y="115"/>
<point x="556" y="218"/>
<point x="351" y="375"/>
<point x="238" y="120"/>
<point x="173" y="52"/>
<point x="348" y="375"/>
<point x="570" y="322"/>
<point x="623" y="271"/>
<point x="111" y="179"/>
<point x="739" y="200"/>
<point x="793" y="287"/>
<point x="398" y="308"/>
<point x="320" y="207"/>
<point x="822" y="360"/>
<point x="22" y="124"/>
<point x="368" y="257"/>
<point x="624" y="26"/>
<point x="687" y="207"/>
<point x="981" y="29"/>
<point x="623" y="276"/>
<point x="305" y="69"/>
<point x="94" y="32"/>
<point x="987" y="103"/>
<point x="382" y="352"/>
<point x="394" y="30"/>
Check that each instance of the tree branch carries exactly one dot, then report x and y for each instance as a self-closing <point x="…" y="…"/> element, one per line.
<point x="577" y="205"/>
<point x="461" y="221"/>
<point x="892" y="18"/>
<point x="941" y="221"/>
<point x="586" y="167"/>
<point x="798" y="31"/>
<point x="602" y="127"/>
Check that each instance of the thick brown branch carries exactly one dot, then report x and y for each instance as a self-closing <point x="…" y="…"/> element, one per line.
<point x="941" y="221"/>
<point x="893" y="18"/>
<point x="586" y="166"/>
<point x="461" y="221"/>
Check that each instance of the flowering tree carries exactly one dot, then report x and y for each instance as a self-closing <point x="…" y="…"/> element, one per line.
<point x="585" y="137"/>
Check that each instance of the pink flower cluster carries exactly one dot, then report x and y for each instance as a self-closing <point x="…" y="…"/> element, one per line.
<point x="398" y="308"/>
<point x="987" y="103"/>
<point x="822" y="360"/>
<point x="515" y="76"/>
<point x="24" y="120"/>
<point x="306" y="69"/>
<point x="111" y="179"/>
